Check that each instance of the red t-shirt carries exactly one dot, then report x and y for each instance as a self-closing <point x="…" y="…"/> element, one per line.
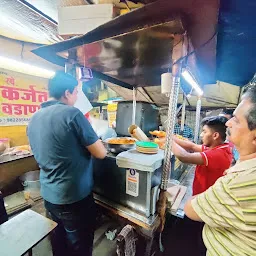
<point x="216" y="161"/>
<point x="87" y="115"/>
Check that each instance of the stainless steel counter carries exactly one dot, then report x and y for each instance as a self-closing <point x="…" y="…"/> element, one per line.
<point x="110" y="183"/>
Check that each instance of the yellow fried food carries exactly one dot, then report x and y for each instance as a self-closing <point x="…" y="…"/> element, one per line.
<point x="160" y="143"/>
<point x="180" y="137"/>
<point x="159" y="134"/>
<point x="121" y="141"/>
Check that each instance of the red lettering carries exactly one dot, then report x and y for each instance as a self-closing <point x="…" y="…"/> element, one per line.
<point x="10" y="80"/>
<point x="30" y="94"/>
<point x="19" y="109"/>
<point x="10" y="93"/>
<point x="42" y="97"/>
<point x="7" y="108"/>
<point x="33" y="108"/>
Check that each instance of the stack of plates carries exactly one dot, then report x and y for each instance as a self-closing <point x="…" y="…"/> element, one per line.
<point x="147" y="147"/>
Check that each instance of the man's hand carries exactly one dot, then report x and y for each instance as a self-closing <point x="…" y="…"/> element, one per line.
<point x="188" y="145"/>
<point x="186" y="157"/>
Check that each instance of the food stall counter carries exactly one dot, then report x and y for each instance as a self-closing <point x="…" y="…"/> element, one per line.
<point x="14" y="165"/>
<point x="9" y="158"/>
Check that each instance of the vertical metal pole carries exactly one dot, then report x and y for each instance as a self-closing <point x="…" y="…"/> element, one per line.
<point x="177" y="53"/>
<point x="183" y="114"/>
<point x="173" y="100"/>
<point x="198" y="115"/>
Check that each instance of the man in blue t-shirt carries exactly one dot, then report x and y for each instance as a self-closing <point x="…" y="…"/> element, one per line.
<point x="63" y="143"/>
<point x="187" y="131"/>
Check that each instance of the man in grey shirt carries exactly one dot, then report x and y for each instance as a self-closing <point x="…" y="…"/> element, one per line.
<point x="63" y="143"/>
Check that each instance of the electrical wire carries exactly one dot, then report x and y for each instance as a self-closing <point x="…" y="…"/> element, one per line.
<point x="201" y="46"/>
<point x="169" y="69"/>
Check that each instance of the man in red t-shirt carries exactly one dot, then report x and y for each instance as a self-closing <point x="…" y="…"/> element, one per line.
<point x="212" y="158"/>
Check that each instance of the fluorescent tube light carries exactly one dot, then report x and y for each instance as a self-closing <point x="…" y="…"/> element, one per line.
<point x="191" y="80"/>
<point x="25" y="68"/>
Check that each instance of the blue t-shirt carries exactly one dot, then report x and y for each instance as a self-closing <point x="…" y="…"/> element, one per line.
<point x="58" y="135"/>
<point x="187" y="132"/>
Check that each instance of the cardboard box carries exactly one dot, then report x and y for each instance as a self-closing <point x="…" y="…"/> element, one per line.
<point x="79" y="20"/>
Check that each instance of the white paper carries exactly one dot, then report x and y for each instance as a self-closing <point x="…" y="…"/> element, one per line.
<point x="101" y="128"/>
<point x="82" y="103"/>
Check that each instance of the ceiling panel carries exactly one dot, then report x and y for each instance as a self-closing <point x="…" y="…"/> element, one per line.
<point x="18" y="21"/>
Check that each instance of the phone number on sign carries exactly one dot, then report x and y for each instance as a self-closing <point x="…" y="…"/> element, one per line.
<point x="4" y="120"/>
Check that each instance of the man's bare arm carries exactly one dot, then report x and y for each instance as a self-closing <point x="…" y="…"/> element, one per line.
<point x="97" y="150"/>
<point x="190" y="212"/>
<point x="186" y="157"/>
<point x="188" y="145"/>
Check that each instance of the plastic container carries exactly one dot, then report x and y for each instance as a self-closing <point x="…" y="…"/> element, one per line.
<point x="30" y="181"/>
<point x="111" y="110"/>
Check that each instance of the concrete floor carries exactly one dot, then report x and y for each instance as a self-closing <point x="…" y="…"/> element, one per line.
<point x="178" y="239"/>
<point x="102" y="246"/>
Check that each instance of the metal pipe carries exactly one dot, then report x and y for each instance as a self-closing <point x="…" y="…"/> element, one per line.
<point x="183" y="113"/>
<point x="173" y="100"/>
<point x="161" y="204"/>
<point x="198" y="115"/>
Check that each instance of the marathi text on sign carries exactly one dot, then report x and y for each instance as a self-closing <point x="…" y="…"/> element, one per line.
<point x="20" y="97"/>
<point x="19" y="109"/>
<point x="13" y="93"/>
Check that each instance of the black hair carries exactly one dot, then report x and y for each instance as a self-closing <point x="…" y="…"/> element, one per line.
<point x="227" y="112"/>
<point x="180" y="116"/>
<point x="217" y="123"/>
<point x="61" y="82"/>
<point x="251" y="115"/>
